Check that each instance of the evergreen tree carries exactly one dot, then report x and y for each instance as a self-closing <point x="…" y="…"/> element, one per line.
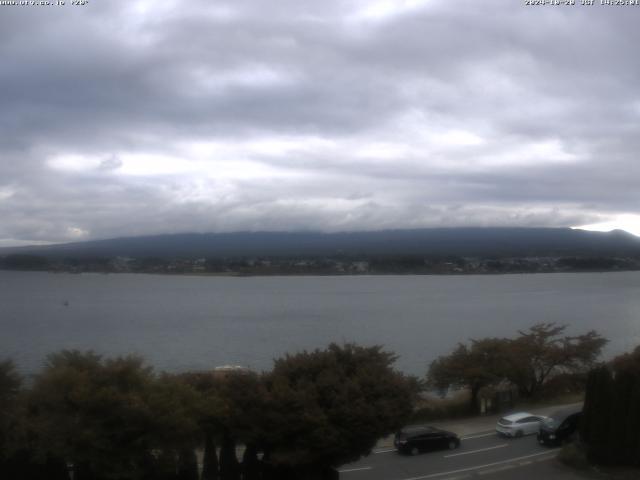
<point x="11" y="418"/>
<point x="210" y="459"/>
<point x="229" y="466"/>
<point x="611" y="415"/>
<point x="598" y="415"/>
<point x="250" y="463"/>
<point x="187" y="464"/>
<point x="167" y="465"/>
<point x="627" y="408"/>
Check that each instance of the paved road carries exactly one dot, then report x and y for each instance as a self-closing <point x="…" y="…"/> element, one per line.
<point x="482" y="453"/>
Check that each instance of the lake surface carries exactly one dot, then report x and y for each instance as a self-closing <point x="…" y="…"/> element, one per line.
<point x="189" y="322"/>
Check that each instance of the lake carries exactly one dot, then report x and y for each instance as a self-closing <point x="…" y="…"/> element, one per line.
<point x="196" y="322"/>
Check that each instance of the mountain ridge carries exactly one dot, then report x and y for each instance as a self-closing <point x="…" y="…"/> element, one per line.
<point x="464" y="241"/>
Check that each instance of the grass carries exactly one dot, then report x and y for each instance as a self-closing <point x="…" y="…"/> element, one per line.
<point x="563" y="399"/>
<point x="432" y="408"/>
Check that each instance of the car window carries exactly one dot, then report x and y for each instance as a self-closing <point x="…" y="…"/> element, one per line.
<point x="527" y="420"/>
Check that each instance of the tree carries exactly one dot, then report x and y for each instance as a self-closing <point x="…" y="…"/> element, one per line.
<point x="610" y="425"/>
<point x="233" y="406"/>
<point x="595" y="425"/>
<point x="250" y="463"/>
<point x="106" y="416"/>
<point x="187" y="465"/>
<point x="242" y="396"/>
<point x="175" y="429"/>
<point x="527" y="361"/>
<point x="11" y="420"/>
<point x="10" y="383"/>
<point x="478" y="365"/>
<point x="229" y="466"/>
<point x="329" y="407"/>
<point x="209" y="459"/>
<point x="24" y="262"/>
<point x="541" y="352"/>
<point x="209" y="416"/>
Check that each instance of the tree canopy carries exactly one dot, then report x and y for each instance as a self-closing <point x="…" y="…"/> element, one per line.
<point x="610" y="427"/>
<point x="329" y="407"/>
<point x="10" y="382"/>
<point x="474" y="367"/>
<point x="105" y="416"/>
<point x="542" y="351"/>
<point x="116" y="419"/>
<point x="527" y="361"/>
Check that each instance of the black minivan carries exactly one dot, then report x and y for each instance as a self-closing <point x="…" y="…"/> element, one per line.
<point x="413" y="440"/>
<point x="560" y="427"/>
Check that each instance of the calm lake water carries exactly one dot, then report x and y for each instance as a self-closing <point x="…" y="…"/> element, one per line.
<point x="189" y="322"/>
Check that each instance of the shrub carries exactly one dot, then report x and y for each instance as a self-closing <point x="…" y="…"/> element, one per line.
<point x="574" y="455"/>
<point x="433" y="408"/>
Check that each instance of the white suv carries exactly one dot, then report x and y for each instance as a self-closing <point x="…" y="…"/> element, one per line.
<point x="519" y="424"/>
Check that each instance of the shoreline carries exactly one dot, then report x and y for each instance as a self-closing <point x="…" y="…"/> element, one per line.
<point x="320" y="274"/>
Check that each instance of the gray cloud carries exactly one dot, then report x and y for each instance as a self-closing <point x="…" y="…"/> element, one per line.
<point x="130" y="118"/>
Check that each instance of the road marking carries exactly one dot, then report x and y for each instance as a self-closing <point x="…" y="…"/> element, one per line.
<point x="354" y="469"/>
<point x="497" y="469"/>
<point x="471" y="437"/>
<point x="476" y="451"/>
<point x="384" y="451"/>
<point x="477" y="467"/>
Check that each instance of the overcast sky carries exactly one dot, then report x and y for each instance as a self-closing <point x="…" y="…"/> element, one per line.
<point x="140" y="117"/>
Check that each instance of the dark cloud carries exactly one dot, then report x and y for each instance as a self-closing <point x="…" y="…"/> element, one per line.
<point x="125" y="118"/>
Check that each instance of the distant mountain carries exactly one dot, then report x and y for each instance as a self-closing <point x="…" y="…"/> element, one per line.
<point x="502" y="242"/>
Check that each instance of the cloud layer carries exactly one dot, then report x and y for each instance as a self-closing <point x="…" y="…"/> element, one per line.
<point x="137" y="117"/>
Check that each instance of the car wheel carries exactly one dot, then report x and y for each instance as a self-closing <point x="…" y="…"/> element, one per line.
<point x="452" y="444"/>
<point x="414" y="451"/>
<point x="518" y="433"/>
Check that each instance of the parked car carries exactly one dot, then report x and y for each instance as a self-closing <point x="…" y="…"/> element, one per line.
<point x="414" y="440"/>
<point x="519" y="424"/>
<point x="561" y="427"/>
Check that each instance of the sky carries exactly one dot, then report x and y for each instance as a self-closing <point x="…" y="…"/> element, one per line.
<point x="140" y="117"/>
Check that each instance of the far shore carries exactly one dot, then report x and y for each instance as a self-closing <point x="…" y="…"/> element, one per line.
<point x="318" y="274"/>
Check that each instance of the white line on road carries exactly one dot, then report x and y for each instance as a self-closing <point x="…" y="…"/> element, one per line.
<point x="477" y="467"/>
<point x="471" y="437"/>
<point x="497" y="469"/>
<point x="354" y="469"/>
<point x="476" y="451"/>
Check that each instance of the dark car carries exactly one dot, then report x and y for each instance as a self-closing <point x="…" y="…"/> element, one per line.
<point x="413" y="440"/>
<point x="560" y="427"/>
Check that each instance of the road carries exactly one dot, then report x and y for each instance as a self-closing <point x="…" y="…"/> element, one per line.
<point x="480" y="455"/>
